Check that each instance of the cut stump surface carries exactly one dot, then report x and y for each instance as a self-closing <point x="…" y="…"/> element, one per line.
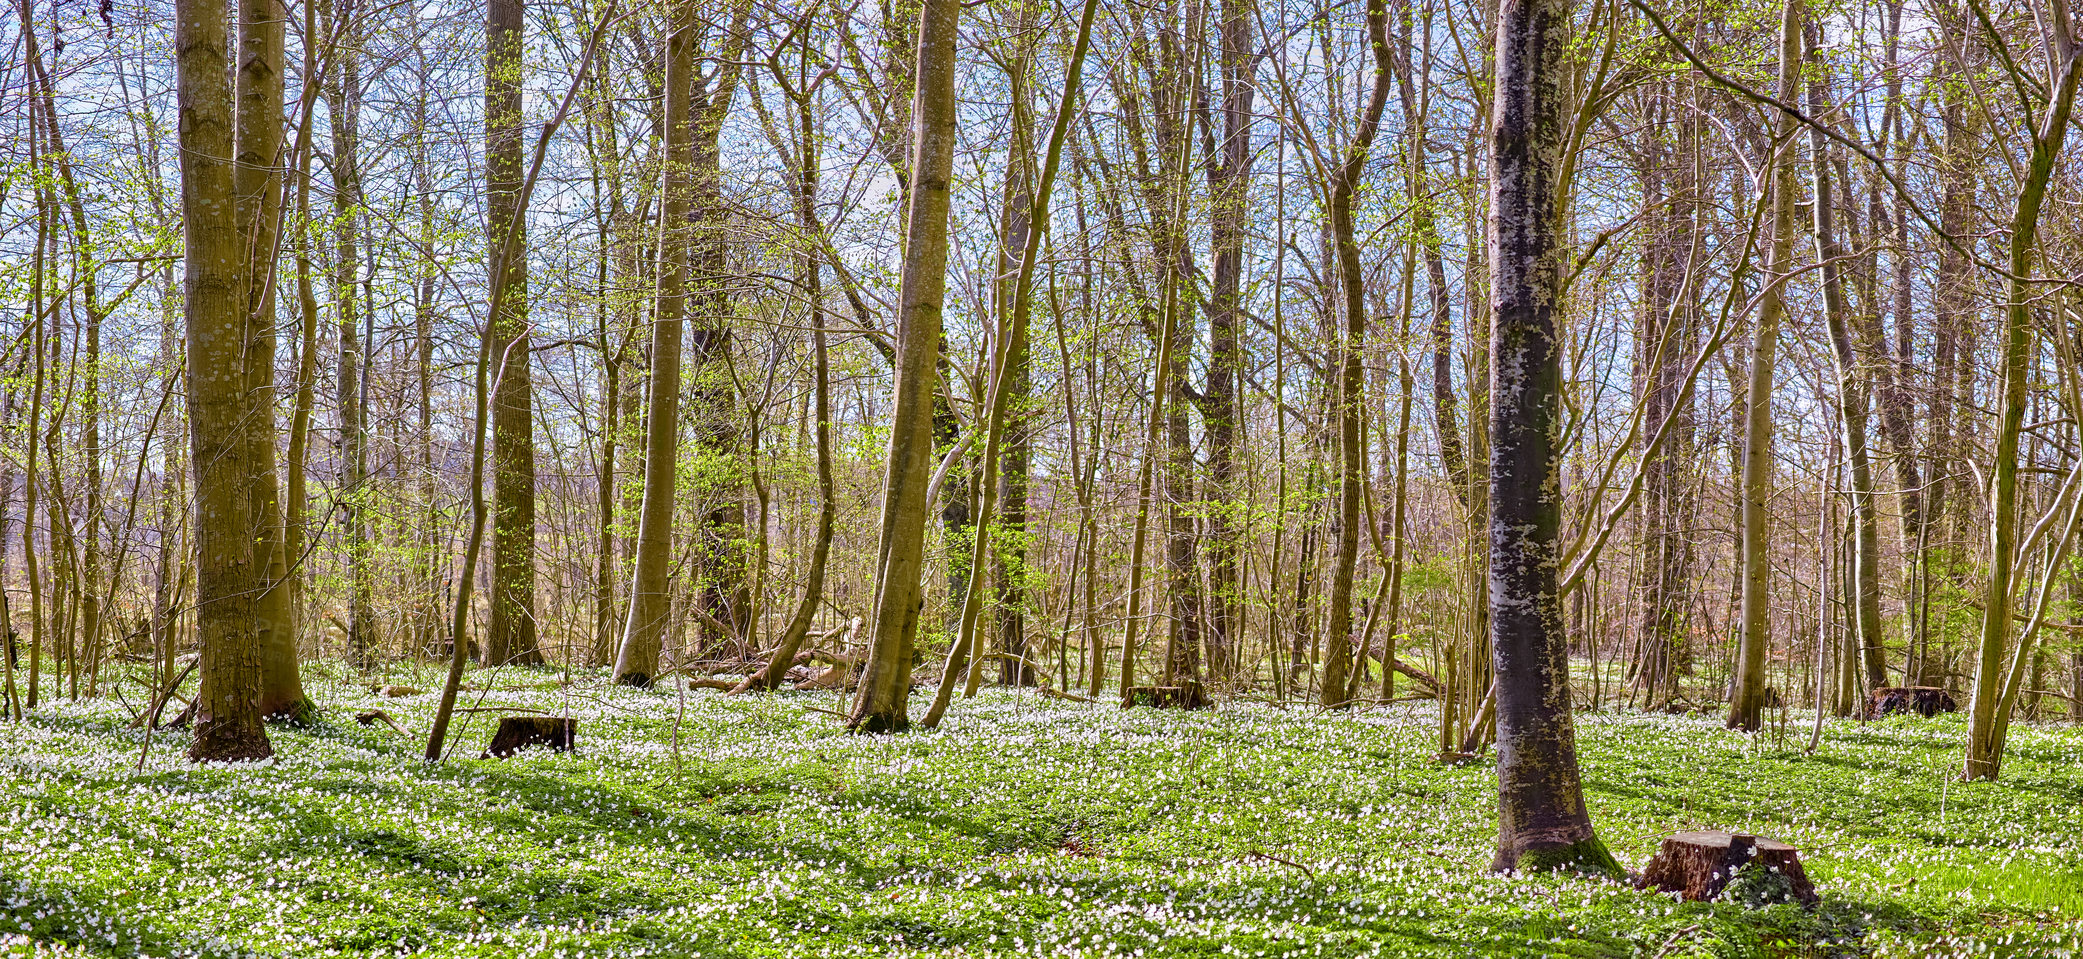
<point x="519" y="732"/>
<point x="1700" y="864"/>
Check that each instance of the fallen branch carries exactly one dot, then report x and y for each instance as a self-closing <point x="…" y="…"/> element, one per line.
<point x="1060" y="694"/>
<point x="1269" y="857"/>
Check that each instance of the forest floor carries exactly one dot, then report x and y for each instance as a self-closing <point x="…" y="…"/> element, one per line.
<point x="713" y="826"/>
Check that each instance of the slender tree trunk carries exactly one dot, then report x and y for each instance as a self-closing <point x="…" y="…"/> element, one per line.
<point x="352" y="448"/>
<point x="885" y="687"/>
<point x="1009" y="558"/>
<point x="636" y="664"/>
<point x="1853" y="406"/>
<point x="1352" y="382"/>
<point x="1747" y="698"/>
<point x="1986" y="721"/>
<point x="770" y="676"/>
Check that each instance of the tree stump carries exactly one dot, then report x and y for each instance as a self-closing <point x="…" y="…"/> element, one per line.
<point x="1190" y="696"/>
<point x="1925" y="701"/>
<point x="519" y="732"/>
<point x="1701" y="864"/>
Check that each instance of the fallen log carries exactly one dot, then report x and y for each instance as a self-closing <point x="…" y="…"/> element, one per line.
<point x="1424" y="679"/>
<point x="1060" y="694"/>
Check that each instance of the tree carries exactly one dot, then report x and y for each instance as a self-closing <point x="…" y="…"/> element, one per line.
<point x="510" y="634"/>
<point x="1747" y="698"/>
<point x="636" y="663"/>
<point x="228" y="723"/>
<point x="1352" y="383"/>
<point x="880" y="705"/>
<point x="1987" y="719"/>
<point x="1542" y="821"/>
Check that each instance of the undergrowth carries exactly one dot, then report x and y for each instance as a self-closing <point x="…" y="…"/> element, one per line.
<point x="694" y="824"/>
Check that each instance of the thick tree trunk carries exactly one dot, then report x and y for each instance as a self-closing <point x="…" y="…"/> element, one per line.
<point x="1543" y="823"/>
<point x="510" y="633"/>
<point x="228" y="723"/>
<point x="885" y="688"/>
<point x="726" y="558"/>
<point x="258" y="182"/>
<point x="1229" y="184"/>
<point x="1664" y="344"/>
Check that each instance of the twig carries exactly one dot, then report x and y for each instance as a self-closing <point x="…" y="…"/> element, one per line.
<point x="1269" y="857"/>
<point x="1672" y="943"/>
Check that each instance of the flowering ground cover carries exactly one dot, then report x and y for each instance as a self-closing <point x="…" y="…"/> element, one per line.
<point x="695" y="824"/>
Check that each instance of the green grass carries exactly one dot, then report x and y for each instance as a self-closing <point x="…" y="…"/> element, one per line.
<point x="1025" y="826"/>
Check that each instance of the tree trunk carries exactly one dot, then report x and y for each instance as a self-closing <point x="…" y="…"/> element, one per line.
<point x="258" y="183"/>
<point x="228" y="724"/>
<point x="1747" y="697"/>
<point x="636" y="663"/>
<point x="1852" y="397"/>
<point x="349" y="392"/>
<point x="1229" y="188"/>
<point x="1352" y="381"/>
<point x="1986" y="721"/>
<point x="885" y="687"/>
<point x="510" y="633"/>
<point x="1543" y="823"/>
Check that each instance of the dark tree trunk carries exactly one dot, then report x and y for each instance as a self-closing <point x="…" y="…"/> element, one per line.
<point x="1543" y="823"/>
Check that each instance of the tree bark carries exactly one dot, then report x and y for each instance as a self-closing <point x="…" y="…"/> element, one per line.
<point x="880" y="705"/>
<point x="1352" y="381"/>
<point x="1747" y="697"/>
<point x="510" y="633"/>
<point x="643" y="632"/>
<point x="1986" y="720"/>
<point x="1543" y="822"/>
<point x="349" y="388"/>
<point x="1853" y="399"/>
<point x="228" y="721"/>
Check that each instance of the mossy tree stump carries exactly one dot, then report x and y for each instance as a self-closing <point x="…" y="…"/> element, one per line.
<point x="519" y="732"/>
<point x="1701" y="864"/>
